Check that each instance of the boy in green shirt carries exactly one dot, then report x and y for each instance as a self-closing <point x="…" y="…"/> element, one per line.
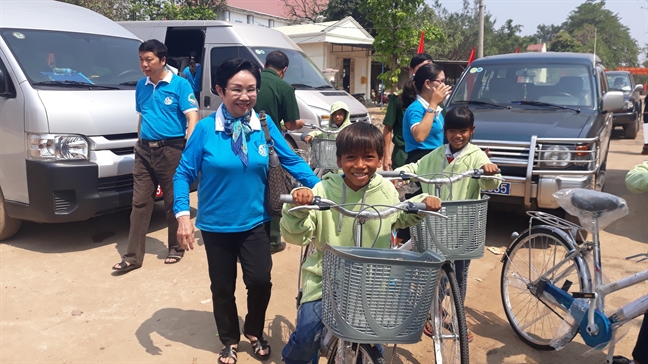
<point x="459" y="155"/>
<point x="360" y="149"/>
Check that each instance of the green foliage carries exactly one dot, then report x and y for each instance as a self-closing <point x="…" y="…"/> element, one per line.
<point x="564" y="42"/>
<point x="546" y="33"/>
<point x="614" y="45"/>
<point x="396" y="34"/>
<point x="507" y="40"/>
<point x="118" y="10"/>
<point x="340" y="9"/>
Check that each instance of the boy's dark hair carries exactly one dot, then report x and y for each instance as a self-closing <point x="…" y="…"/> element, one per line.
<point x="426" y="72"/>
<point x="420" y="58"/>
<point x="232" y="66"/>
<point x="158" y="48"/>
<point x="360" y="137"/>
<point x="459" y="118"/>
<point x="277" y="60"/>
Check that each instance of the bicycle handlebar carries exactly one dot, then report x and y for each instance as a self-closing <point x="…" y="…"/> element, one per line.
<point x="366" y="214"/>
<point x="328" y="131"/>
<point x="444" y="180"/>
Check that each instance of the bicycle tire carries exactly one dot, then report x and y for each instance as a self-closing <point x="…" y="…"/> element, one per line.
<point x="369" y="354"/>
<point x="449" y="320"/>
<point x="522" y="257"/>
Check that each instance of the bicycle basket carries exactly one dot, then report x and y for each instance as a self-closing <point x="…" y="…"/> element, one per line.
<point x="323" y="153"/>
<point x="461" y="236"/>
<point x="377" y="295"/>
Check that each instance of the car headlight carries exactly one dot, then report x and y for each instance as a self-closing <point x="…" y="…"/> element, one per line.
<point x="629" y="105"/>
<point x="555" y="156"/>
<point x="53" y="147"/>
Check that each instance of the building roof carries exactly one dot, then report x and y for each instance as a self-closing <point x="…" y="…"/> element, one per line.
<point x="270" y="7"/>
<point x="346" y="31"/>
<point x="536" y="47"/>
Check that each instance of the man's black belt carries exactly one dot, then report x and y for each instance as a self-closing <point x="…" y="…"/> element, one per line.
<point x="162" y="143"/>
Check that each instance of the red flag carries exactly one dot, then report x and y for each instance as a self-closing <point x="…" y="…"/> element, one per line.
<point x="472" y="56"/>
<point x="517" y="50"/>
<point x="421" y="47"/>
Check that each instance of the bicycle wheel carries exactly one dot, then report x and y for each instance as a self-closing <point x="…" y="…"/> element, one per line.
<point x="368" y="354"/>
<point x="449" y="320"/>
<point x="534" y="319"/>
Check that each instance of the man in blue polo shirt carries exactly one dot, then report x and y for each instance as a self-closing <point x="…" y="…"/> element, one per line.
<point x="193" y="73"/>
<point x="168" y="110"/>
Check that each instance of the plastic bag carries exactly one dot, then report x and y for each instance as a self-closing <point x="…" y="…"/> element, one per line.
<point x="605" y="218"/>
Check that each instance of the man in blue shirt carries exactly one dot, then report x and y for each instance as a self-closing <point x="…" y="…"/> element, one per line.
<point x="168" y="111"/>
<point x="193" y="73"/>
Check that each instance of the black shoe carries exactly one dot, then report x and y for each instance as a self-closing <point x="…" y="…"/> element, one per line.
<point x="277" y="248"/>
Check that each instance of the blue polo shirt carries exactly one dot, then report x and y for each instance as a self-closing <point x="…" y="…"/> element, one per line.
<point x="231" y="196"/>
<point x="194" y="80"/>
<point x="163" y="107"/>
<point x="412" y="117"/>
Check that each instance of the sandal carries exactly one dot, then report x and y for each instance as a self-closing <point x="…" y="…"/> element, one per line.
<point x="259" y="345"/>
<point x="228" y="352"/>
<point x="124" y="267"/>
<point x="177" y="258"/>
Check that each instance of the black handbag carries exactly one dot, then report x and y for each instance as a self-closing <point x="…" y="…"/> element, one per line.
<point x="279" y="181"/>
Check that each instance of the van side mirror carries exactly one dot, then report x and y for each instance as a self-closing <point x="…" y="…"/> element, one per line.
<point x="612" y="101"/>
<point x="6" y="87"/>
<point x="639" y="88"/>
<point x="3" y="83"/>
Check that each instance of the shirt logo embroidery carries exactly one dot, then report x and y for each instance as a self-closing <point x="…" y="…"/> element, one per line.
<point x="192" y="99"/>
<point x="168" y="100"/>
<point x="262" y="150"/>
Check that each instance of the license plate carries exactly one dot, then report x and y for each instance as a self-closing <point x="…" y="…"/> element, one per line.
<point x="158" y="192"/>
<point x="503" y="189"/>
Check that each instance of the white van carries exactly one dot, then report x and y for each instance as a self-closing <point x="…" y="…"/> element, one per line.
<point x="215" y="41"/>
<point x="67" y="113"/>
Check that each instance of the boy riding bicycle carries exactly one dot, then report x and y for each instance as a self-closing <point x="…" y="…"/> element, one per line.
<point x="340" y="117"/>
<point x="459" y="155"/>
<point x="360" y="149"/>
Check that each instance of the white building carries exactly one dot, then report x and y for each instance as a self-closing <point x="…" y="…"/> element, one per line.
<point x="342" y="45"/>
<point x="266" y="13"/>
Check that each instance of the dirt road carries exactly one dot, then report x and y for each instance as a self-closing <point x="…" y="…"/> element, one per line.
<point x="60" y="303"/>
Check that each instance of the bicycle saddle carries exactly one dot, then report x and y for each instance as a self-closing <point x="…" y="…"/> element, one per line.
<point x="594" y="201"/>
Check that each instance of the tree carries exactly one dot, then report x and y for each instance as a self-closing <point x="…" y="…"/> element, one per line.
<point x="564" y="42"/>
<point x="507" y="40"/>
<point x="305" y="10"/>
<point x="614" y="45"/>
<point x="340" y="9"/>
<point x="546" y="33"/>
<point x="118" y="10"/>
<point x="396" y="36"/>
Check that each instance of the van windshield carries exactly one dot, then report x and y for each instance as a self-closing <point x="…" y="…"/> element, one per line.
<point x="51" y="59"/>
<point x="301" y="73"/>
<point x="526" y="84"/>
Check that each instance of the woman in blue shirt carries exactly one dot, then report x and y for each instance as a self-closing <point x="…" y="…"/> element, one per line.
<point x="228" y="149"/>
<point x="422" y="121"/>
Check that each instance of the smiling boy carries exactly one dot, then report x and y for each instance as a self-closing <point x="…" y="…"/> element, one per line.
<point x="360" y="149"/>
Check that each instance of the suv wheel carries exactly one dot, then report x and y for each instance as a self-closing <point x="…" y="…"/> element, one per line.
<point x="8" y="226"/>
<point x="632" y="129"/>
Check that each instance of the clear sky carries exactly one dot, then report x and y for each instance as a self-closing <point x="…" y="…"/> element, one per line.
<point x="531" y="13"/>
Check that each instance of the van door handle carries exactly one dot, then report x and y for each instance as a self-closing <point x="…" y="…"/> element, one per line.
<point x="207" y="101"/>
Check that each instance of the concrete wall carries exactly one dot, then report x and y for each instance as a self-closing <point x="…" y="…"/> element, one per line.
<point x="236" y="17"/>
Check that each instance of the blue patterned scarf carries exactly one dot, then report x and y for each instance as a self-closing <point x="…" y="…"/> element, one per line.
<point x="238" y="129"/>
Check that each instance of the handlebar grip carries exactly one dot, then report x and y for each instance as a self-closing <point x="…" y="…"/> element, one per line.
<point x="286" y="199"/>
<point x="389" y="174"/>
<point x="419" y="206"/>
<point x="303" y="136"/>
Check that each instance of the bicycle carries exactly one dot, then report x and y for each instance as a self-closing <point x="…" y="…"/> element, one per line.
<point x="545" y="262"/>
<point x="373" y="295"/>
<point x="322" y="150"/>
<point x="462" y="236"/>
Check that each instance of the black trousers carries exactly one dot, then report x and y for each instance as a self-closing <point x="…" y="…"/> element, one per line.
<point x="412" y="157"/>
<point x="640" y="352"/>
<point x="252" y="248"/>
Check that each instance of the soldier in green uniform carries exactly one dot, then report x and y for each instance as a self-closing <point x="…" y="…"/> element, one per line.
<point x="277" y="98"/>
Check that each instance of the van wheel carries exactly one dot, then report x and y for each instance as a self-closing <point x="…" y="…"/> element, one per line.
<point x="8" y="226"/>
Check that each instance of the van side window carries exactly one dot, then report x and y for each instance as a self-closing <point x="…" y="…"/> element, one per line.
<point x="220" y="54"/>
<point x="6" y="85"/>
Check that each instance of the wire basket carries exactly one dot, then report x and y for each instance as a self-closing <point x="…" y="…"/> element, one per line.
<point x="461" y="236"/>
<point x="323" y="153"/>
<point x="377" y="295"/>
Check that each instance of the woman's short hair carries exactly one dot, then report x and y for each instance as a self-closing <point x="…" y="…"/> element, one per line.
<point x="459" y="118"/>
<point x="232" y="66"/>
<point x="360" y="137"/>
<point x="426" y="72"/>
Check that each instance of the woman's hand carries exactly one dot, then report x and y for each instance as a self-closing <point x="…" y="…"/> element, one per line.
<point x="186" y="232"/>
<point x="490" y="169"/>
<point x="303" y="196"/>
<point x="308" y="138"/>
<point x="432" y="203"/>
<point x="439" y="95"/>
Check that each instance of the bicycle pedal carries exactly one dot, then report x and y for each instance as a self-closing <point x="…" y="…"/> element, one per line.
<point x="567" y="285"/>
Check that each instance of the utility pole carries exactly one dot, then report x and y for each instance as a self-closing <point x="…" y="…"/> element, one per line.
<point x="480" y="45"/>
